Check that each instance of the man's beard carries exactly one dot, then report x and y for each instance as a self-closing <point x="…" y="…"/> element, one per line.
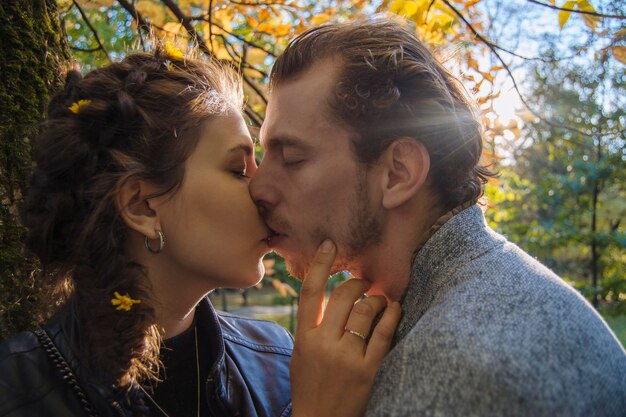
<point x="363" y="230"/>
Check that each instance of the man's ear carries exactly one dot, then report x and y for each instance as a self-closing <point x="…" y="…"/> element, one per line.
<point x="405" y="164"/>
<point x="134" y="207"/>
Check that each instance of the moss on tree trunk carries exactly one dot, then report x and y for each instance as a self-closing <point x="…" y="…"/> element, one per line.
<point x="33" y="49"/>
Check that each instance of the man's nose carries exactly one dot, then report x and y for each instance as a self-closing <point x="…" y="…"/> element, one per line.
<point x="262" y="189"/>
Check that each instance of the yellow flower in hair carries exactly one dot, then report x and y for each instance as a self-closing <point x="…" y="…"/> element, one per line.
<point x="77" y="106"/>
<point x="173" y="52"/>
<point x="123" y="302"/>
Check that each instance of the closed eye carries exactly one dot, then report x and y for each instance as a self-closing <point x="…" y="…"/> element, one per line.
<point x="293" y="163"/>
<point x="240" y="174"/>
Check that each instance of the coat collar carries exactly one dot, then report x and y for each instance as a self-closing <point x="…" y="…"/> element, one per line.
<point x="452" y="241"/>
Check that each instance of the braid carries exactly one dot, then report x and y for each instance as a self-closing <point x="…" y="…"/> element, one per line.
<point x="101" y="130"/>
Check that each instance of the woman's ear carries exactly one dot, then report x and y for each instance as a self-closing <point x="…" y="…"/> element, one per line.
<point x="134" y="207"/>
<point x="406" y="163"/>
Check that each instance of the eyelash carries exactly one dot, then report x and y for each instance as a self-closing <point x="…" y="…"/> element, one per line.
<point x="290" y="164"/>
<point x="240" y="174"/>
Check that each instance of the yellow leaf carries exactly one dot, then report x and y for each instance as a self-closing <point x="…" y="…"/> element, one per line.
<point x="590" y="20"/>
<point x="397" y="6"/>
<point x="619" y="52"/>
<point x="266" y="28"/>
<point x="252" y="22"/>
<point x="320" y="19"/>
<point x="471" y="62"/>
<point x="410" y="8"/>
<point x="255" y="56"/>
<point x="155" y="13"/>
<point x="564" y="14"/>
<point x="172" y="28"/>
<point x="488" y="76"/>
<point x="282" y="29"/>
<point x="264" y="14"/>
<point x="470" y="3"/>
<point x="527" y="116"/>
<point x="496" y="68"/>
<point x="619" y="34"/>
<point x="224" y="18"/>
<point x="219" y="50"/>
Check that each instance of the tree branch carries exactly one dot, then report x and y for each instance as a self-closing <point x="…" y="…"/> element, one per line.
<point x="608" y="16"/>
<point x="195" y="36"/>
<point x="90" y="50"/>
<point x="269" y="3"/>
<point x="253" y="116"/>
<point x="494" y="50"/>
<point x="93" y="30"/>
<point x="141" y="23"/>
<point x="242" y="39"/>
<point x="247" y="80"/>
<point x="210" y="12"/>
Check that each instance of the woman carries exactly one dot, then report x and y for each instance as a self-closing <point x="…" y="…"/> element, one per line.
<point x="138" y="208"/>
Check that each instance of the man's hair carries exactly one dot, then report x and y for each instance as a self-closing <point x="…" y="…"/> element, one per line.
<point x="391" y="86"/>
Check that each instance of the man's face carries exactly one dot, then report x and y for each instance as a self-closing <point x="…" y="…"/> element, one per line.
<point x="310" y="186"/>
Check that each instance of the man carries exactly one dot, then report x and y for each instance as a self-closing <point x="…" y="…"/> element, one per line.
<point x="370" y="142"/>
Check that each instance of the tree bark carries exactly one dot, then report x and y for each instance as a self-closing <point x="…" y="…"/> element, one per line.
<point x="33" y="52"/>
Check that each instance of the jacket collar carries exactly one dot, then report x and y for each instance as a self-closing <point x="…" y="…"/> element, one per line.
<point x="452" y="241"/>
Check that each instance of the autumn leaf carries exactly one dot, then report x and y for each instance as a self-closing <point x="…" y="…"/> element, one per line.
<point x="619" y="34"/>
<point x="266" y="28"/>
<point x="282" y="30"/>
<point x="471" y="62"/>
<point x="252" y="22"/>
<point x="470" y="3"/>
<point x="564" y="14"/>
<point x="255" y="56"/>
<point x="619" y="52"/>
<point x="590" y="20"/>
<point x="320" y="19"/>
<point x="264" y="14"/>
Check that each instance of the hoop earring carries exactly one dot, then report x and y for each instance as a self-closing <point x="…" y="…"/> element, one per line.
<point x="161" y="242"/>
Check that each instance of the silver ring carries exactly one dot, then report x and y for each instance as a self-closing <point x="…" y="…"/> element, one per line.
<point x="354" y="332"/>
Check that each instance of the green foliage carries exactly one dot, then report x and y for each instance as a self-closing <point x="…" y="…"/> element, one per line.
<point x="544" y="201"/>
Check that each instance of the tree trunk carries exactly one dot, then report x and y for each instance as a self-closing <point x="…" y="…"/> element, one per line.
<point x="33" y="49"/>
<point x="594" y="214"/>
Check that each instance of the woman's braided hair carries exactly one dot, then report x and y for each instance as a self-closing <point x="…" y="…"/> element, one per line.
<point x="136" y="118"/>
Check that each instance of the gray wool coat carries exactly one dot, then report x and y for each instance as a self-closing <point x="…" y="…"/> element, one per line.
<point x="489" y="331"/>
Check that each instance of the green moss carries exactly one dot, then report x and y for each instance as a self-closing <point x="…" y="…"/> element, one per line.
<point x="32" y="50"/>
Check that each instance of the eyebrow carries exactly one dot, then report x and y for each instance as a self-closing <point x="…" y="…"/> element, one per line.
<point x="247" y="148"/>
<point x="284" y="141"/>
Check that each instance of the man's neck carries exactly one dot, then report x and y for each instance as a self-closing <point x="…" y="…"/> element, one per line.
<point x="388" y="265"/>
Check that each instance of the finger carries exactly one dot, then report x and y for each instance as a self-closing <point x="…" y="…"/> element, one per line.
<point x="341" y="303"/>
<point x="311" y="306"/>
<point x="362" y="316"/>
<point x="379" y="343"/>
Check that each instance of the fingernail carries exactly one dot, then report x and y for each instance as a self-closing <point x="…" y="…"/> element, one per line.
<point x="326" y="247"/>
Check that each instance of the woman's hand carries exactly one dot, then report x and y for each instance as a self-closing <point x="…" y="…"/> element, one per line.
<point x="335" y="359"/>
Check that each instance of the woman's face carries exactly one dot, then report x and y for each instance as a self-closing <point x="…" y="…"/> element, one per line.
<point x="212" y="228"/>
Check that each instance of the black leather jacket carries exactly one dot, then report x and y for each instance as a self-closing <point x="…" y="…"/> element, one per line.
<point x="250" y="377"/>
